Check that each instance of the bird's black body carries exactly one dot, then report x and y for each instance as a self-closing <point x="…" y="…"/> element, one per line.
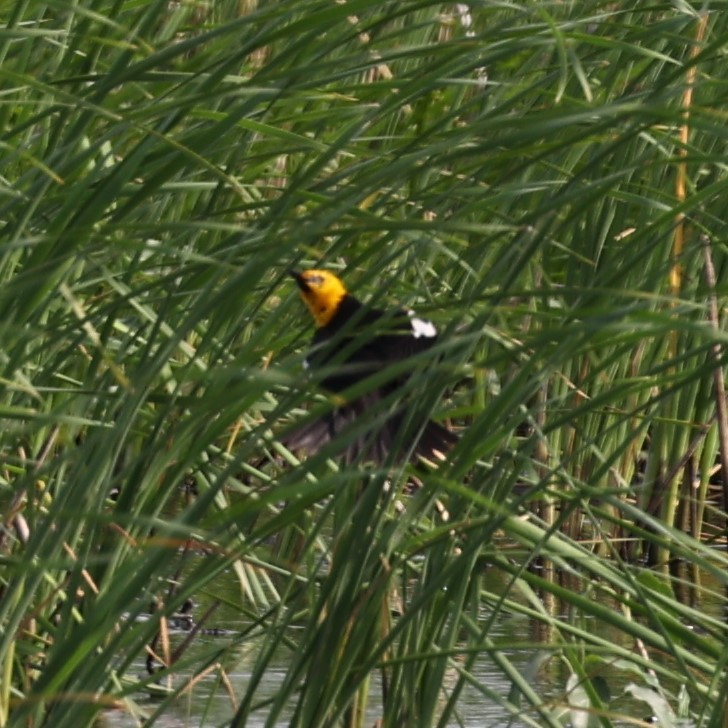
<point x="356" y="343"/>
<point x="361" y="341"/>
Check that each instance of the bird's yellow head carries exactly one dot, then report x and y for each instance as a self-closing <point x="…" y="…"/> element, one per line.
<point x="322" y="292"/>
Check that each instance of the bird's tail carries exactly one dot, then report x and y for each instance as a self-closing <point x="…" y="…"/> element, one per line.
<point x="376" y="444"/>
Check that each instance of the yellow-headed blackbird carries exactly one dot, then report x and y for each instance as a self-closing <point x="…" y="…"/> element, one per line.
<point x="352" y="342"/>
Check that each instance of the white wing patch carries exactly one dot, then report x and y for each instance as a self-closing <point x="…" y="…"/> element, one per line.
<point x="421" y="327"/>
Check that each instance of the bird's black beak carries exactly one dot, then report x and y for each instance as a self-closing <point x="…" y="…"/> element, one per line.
<point x="299" y="279"/>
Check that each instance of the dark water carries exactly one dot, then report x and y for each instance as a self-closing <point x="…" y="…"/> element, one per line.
<point x="517" y="638"/>
<point x="475" y="709"/>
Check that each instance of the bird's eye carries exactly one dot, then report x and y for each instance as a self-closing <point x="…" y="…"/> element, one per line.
<point x="315" y="280"/>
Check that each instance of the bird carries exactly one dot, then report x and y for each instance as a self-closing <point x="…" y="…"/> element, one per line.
<point x="352" y="342"/>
